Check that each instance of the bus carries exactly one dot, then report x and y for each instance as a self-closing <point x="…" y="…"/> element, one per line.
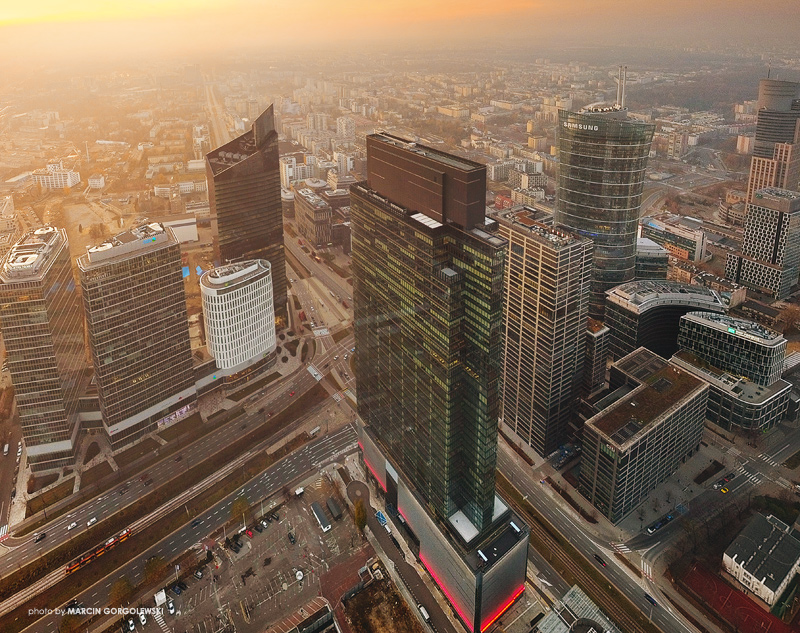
<point x="324" y="524"/>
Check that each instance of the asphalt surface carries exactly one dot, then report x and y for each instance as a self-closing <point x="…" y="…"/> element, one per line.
<point x="23" y="550"/>
<point x="293" y="468"/>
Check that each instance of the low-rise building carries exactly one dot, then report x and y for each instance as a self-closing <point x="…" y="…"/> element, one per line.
<point x="55" y="176"/>
<point x="97" y="181"/>
<point x="681" y="236"/>
<point x="313" y="217"/>
<point x="764" y="558"/>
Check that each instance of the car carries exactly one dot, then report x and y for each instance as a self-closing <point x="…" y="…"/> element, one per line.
<point x="13" y="493"/>
<point x="257" y="527"/>
<point x="131" y="625"/>
<point x="235" y="548"/>
<point x="292" y="539"/>
<point x="717" y="485"/>
<point x="196" y="522"/>
<point x="148" y="482"/>
<point x="264" y="523"/>
<point x="249" y="533"/>
<point x="724" y="490"/>
<point x="182" y="585"/>
<point x="267" y="517"/>
<point x="171" y="607"/>
<point x="73" y="606"/>
<point x="275" y="517"/>
<point x="91" y="522"/>
<point x="650" y="599"/>
<point x="352" y="349"/>
<point x="270" y="413"/>
<point x="179" y="458"/>
<point x="40" y="537"/>
<point x="599" y="560"/>
<point x="122" y="491"/>
<point x="198" y="574"/>
<point x="176" y="590"/>
<point x="291" y="393"/>
<point x="143" y="618"/>
<point x="345" y="356"/>
<point x="145" y="477"/>
<point x="72" y="525"/>
<point x="335" y="358"/>
<point x="730" y="477"/>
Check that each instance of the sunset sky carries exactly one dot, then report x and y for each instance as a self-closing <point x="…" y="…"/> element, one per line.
<point x="40" y="28"/>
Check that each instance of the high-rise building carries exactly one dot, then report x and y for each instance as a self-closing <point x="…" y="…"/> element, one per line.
<point x="776" y="149"/>
<point x="641" y="439"/>
<point x="602" y="159"/>
<point x="244" y="189"/>
<point x="42" y="324"/>
<point x="743" y="362"/>
<point x="240" y="318"/>
<point x="647" y="314"/>
<point x="544" y="316"/>
<point x="135" y="309"/>
<point x="770" y="257"/>
<point x="313" y="217"/>
<point x="652" y="260"/>
<point x="594" y="367"/>
<point x="428" y="300"/>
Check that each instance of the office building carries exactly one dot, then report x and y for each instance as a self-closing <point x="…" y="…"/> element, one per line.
<point x="313" y="217"/>
<point x="776" y="148"/>
<point x="239" y="317"/>
<point x="743" y="362"/>
<point x="544" y="317"/>
<point x="41" y="319"/>
<point x="769" y="261"/>
<point x="647" y="314"/>
<point x="428" y="300"/>
<point x="244" y="189"/>
<point x="653" y="424"/>
<point x="683" y="237"/>
<point x="652" y="260"/>
<point x="597" y="354"/>
<point x="763" y="559"/>
<point x="135" y="310"/>
<point x="602" y="160"/>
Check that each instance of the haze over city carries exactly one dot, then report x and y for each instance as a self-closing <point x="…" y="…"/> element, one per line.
<point x="399" y="316"/>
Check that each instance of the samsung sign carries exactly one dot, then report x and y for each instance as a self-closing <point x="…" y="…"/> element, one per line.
<point x="580" y="126"/>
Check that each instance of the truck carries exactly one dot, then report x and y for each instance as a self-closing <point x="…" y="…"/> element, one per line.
<point x="324" y="524"/>
<point x="334" y="509"/>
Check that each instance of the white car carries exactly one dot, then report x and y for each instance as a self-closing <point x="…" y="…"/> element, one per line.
<point x="131" y="625"/>
<point x="171" y="607"/>
<point x="91" y="522"/>
<point x="143" y="619"/>
<point x="72" y="525"/>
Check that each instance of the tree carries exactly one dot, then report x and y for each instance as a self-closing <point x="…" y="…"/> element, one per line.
<point x="154" y="569"/>
<point x="240" y="508"/>
<point x="360" y="515"/>
<point x="789" y="316"/>
<point x="121" y="592"/>
<point x="96" y="231"/>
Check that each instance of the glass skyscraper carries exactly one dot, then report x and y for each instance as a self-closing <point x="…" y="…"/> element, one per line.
<point x="602" y="159"/>
<point x="244" y="191"/>
<point x="42" y="323"/>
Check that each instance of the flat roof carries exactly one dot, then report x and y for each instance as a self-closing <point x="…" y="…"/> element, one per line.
<point x="429" y="152"/>
<point x="31" y="254"/>
<point x="739" y="327"/>
<point x="642" y="295"/>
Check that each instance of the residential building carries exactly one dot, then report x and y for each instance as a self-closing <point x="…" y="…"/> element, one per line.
<point x="97" y="181"/>
<point x="681" y="236"/>
<point x="597" y="355"/>
<point x="763" y="559"/>
<point x="244" y="189"/>
<point x="647" y="314"/>
<point x="42" y="325"/>
<point x="428" y="300"/>
<point x="653" y="425"/>
<point x="544" y="317"/>
<point x="239" y="317"/>
<point x="602" y="160"/>
<point x="56" y="176"/>
<point x="742" y="361"/>
<point x="313" y="217"/>
<point x="346" y="127"/>
<point x="135" y="309"/>
<point x="769" y="261"/>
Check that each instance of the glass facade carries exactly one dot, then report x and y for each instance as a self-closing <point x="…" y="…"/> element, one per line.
<point x="602" y="161"/>
<point x="135" y="310"/>
<point x="42" y="325"/>
<point x="428" y="300"/>
<point x="244" y="190"/>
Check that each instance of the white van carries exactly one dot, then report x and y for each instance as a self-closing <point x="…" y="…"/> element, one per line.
<point x="424" y="613"/>
<point x="299" y="492"/>
<point x="5" y="450"/>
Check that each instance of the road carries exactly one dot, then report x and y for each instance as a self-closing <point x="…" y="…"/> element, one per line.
<point x="328" y="278"/>
<point x="24" y="549"/>
<point x="216" y="117"/>
<point x="293" y="468"/>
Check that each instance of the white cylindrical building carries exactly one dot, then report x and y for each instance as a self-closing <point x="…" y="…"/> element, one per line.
<point x="239" y="315"/>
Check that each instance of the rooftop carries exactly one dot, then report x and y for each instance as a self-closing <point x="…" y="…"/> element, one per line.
<point x="134" y="239"/>
<point x="429" y="152"/>
<point x="232" y="153"/>
<point x="738" y="327"/>
<point x="237" y="273"/>
<point x="642" y="295"/>
<point x="526" y="221"/>
<point x="31" y="255"/>
<point x="663" y="386"/>
<point x="767" y="549"/>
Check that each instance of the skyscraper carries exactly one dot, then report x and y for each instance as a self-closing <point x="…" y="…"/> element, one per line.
<point x="602" y="159"/>
<point x="244" y="191"/>
<point x="428" y="300"/>
<point x="42" y="324"/>
<point x="776" y="150"/>
<point x="770" y="257"/>
<point x="546" y="305"/>
<point x="138" y="331"/>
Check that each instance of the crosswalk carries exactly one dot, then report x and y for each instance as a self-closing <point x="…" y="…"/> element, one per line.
<point x="337" y="396"/>
<point x="647" y="570"/>
<point x="160" y="620"/>
<point x="753" y="477"/>
<point x="770" y="460"/>
<point x="4" y="533"/>
<point x="621" y="548"/>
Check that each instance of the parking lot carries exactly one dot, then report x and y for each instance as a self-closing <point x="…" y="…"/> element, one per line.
<point x="269" y="577"/>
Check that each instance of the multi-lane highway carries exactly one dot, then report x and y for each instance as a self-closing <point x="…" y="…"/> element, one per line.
<point x="293" y="468"/>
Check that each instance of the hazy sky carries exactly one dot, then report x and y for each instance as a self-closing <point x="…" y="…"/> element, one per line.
<point x="48" y="29"/>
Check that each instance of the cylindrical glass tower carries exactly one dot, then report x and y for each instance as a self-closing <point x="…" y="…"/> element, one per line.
<point x="602" y="160"/>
